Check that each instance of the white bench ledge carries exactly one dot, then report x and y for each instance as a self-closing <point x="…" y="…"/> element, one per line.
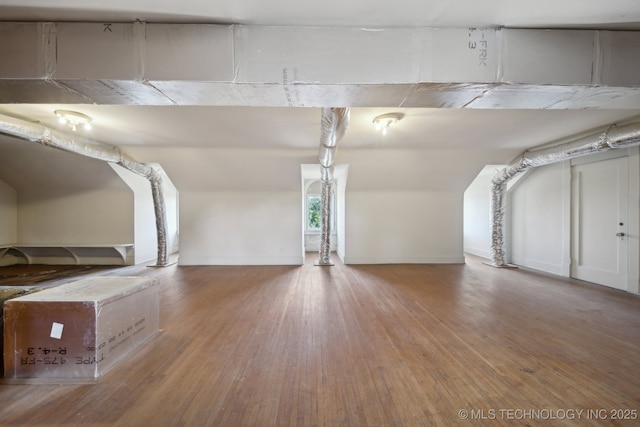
<point x="100" y="254"/>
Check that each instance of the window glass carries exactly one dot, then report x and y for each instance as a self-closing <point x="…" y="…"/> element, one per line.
<point x="314" y="212"/>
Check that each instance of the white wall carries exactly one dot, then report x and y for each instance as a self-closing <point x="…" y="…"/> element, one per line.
<point x="172" y="201"/>
<point x="312" y="238"/>
<point x="144" y="216"/>
<point x="536" y="221"/>
<point x="633" y="266"/>
<point x="477" y="214"/>
<point x="57" y="217"/>
<point x="404" y="227"/>
<point x="222" y="188"/>
<point x="240" y="227"/>
<point x="248" y="227"/>
<point x="341" y="208"/>
<point x="312" y="185"/>
<point x="539" y="225"/>
<point x="8" y="214"/>
<point x="64" y="199"/>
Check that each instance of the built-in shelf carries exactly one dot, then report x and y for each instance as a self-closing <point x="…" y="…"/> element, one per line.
<point x="114" y="254"/>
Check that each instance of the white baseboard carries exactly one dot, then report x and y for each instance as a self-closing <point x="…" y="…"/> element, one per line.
<point x="482" y="253"/>
<point x="241" y="260"/>
<point x="405" y="260"/>
<point x="542" y="266"/>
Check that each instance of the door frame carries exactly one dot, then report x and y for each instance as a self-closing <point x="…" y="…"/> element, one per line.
<point x="633" y="229"/>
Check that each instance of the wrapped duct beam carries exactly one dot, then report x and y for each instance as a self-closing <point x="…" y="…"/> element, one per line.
<point x="614" y="137"/>
<point x="37" y="133"/>
<point x="334" y="124"/>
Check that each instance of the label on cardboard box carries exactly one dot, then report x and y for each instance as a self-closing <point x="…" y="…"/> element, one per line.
<point x="56" y="330"/>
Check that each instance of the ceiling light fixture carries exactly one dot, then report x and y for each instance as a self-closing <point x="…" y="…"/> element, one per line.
<point x="73" y="119"/>
<point x="386" y="121"/>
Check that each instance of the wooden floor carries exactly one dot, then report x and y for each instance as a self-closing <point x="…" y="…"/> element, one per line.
<point x="29" y="275"/>
<point x="378" y="345"/>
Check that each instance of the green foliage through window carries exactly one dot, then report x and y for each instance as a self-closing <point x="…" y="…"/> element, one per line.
<point x="314" y="212"/>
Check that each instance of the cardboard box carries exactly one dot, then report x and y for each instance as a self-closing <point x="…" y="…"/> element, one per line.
<point x="6" y="293"/>
<point x="79" y="330"/>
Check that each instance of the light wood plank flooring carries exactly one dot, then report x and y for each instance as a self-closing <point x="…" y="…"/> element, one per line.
<point x="376" y="345"/>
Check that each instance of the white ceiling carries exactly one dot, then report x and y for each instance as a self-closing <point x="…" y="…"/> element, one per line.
<point x="504" y="133"/>
<point x="352" y="13"/>
<point x="299" y="128"/>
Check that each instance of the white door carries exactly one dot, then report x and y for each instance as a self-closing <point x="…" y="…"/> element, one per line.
<point x="599" y="222"/>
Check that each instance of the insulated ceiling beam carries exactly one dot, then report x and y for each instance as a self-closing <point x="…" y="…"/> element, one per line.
<point x="200" y="64"/>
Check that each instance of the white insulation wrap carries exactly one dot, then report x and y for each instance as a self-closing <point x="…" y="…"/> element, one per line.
<point x="334" y="124"/>
<point x="37" y="133"/>
<point x="614" y="137"/>
<point x="142" y="63"/>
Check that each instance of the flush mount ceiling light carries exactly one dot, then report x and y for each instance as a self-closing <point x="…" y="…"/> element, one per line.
<point x="73" y="119"/>
<point x="386" y="121"/>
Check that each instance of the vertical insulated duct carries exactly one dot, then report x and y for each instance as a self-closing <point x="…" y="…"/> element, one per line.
<point x="614" y="137"/>
<point x="334" y="124"/>
<point x="37" y="133"/>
